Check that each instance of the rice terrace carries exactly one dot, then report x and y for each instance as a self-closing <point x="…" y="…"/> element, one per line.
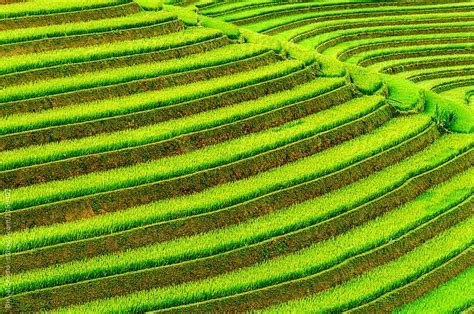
<point x="221" y="156"/>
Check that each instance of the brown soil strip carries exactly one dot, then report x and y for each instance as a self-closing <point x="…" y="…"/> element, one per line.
<point x="152" y="116"/>
<point x="69" y="17"/>
<point x="441" y="74"/>
<point x="91" y="39"/>
<point x="390" y="33"/>
<point x="136" y="86"/>
<point x="429" y="64"/>
<point x="272" y="15"/>
<point x="112" y="62"/>
<point x="120" y="199"/>
<point x="415" y="54"/>
<point x="451" y="85"/>
<point x="62" y="169"/>
<point x="322" y="30"/>
<point x="393" y="44"/>
<point x="421" y="285"/>
<point x="202" y="268"/>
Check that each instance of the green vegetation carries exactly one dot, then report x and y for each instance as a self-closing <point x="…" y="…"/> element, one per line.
<point x="136" y="20"/>
<point x="17" y="63"/>
<point x="456" y="295"/>
<point x="143" y="101"/>
<point x="37" y="7"/>
<point x="426" y="256"/>
<point x="168" y="129"/>
<point x="130" y="73"/>
<point x="236" y="156"/>
<point x="392" y="275"/>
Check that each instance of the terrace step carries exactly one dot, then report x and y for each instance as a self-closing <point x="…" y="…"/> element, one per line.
<point x="428" y="64"/>
<point x="340" y="273"/>
<point x="421" y="285"/>
<point x="201" y="268"/>
<point x="413" y="54"/>
<point x="68" y="17"/>
<point x="73" y="68"/>
<point x="294" y="11"/>
<point x="417" y="42"/>
<point x="48" y="44"/>
<point x="225" y="217"/>
<point x="100" y="203"/>
<point x="62" y="169"/>
<point x="353" y="25"/>
<point x="136" y="86"/>
<point x="138" y="119"/>
<point x="389" y="33"/>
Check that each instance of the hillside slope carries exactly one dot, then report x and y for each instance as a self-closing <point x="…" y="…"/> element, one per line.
<point x="157" y="159"/>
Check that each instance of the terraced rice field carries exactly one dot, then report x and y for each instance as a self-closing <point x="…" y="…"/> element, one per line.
<point x="232" y="156"/>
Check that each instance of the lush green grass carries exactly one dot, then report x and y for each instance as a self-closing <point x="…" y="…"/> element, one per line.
<point x="24" y="62"/>
<point x="297" y="265"/>
<point x="385" y="278"/>
<point x="426" y="206"/>
<point x="450" y="297"/>
<point x="136" y="20"/>
<point x="232" y="193"/>
<point x="212" y="156"/>
<point x="106" y="77"/>
<point x="165" y="130"/>
<point x="36" y="7"/>
<point x="143" y="101"/>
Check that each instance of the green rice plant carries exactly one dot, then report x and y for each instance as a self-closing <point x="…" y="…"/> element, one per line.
<point x="165" y="130"/>
<point x="346" y="45"/>
<point x="304" y="263"/>
<point x="403" y="94"/>
<point x="207" y="157"/>
<point x="229" y="194"/>
<point x="407" y="62"/>
<point x="188" y="16"/>
<point x="330" y="67"/>
<point x="37" y="7"/>
<point x="459" y="94"/>
<point x="456" y="295"/>
<point x="391" y="275"/>
<point x="228" y="29"/>
<point x="397" y="222"/>
<point x="144" y="101"/>
<point x="423" y="48"/>
<point x="106" y="77"/>
<point x="438" y="82"/>
<point x="366" y="81"/>
<point x="152" y="5"/>
<point x="69" y="29"/>
<point x="294" y="32"/>
<point x="462" y="119"/>
<point x="288" y="7"/>
<point x="420" y="74"/>
<point x="26" y="62"/>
